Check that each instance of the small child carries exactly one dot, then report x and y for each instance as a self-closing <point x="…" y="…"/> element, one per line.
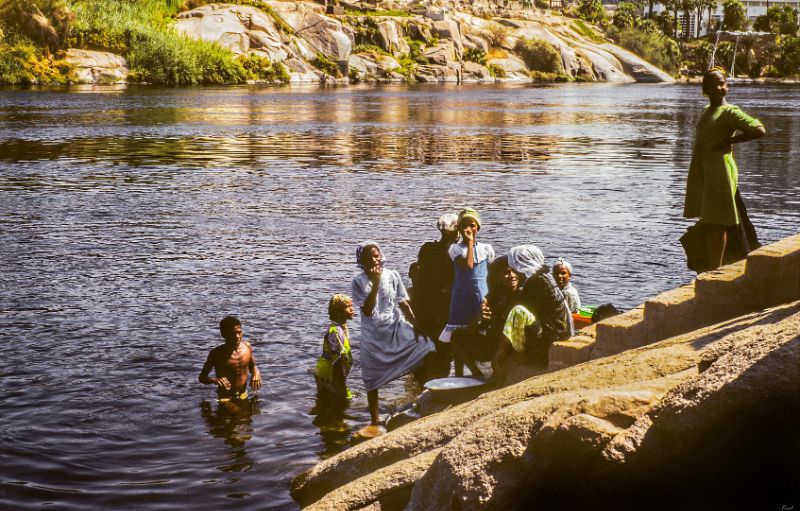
<point x="334" y="365"/>
<point x="562" y="272"/>
<point x="471" y="265"/>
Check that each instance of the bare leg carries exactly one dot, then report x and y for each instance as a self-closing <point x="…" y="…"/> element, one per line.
<point x="372" y="401"/>
<point x="716" y="242"/>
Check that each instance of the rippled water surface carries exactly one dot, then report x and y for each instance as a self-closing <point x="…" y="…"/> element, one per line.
<point x="132" y="220"/>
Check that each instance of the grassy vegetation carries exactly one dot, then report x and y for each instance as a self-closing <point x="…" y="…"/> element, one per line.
<point x="370" y="49"/>
<point x="475" y="55"/>
<point x="586" y="31"/>
<point x="397" y="13"/>
<point x="540" y="55"/>
<point x="326" y="65"/>
<point x="496" y="71"/>
<point x="654" y="47"/>
<point x="140" y="30"/>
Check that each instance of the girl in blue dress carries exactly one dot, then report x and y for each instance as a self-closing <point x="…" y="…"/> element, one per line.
<point x="471" y="265"/>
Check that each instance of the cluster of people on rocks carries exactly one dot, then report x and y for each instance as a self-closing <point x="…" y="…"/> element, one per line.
<point x="466" y="305"/>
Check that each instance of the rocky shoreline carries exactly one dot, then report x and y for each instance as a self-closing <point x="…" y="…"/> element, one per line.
<point x="449" y="43"/>
<point x="706" y="419"/>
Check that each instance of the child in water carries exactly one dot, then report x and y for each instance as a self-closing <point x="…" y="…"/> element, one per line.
<point x="562" y="272"/>
<point x="334" y="365"/>
<point x="232" y="363"/>
<point x="471" y="265"/>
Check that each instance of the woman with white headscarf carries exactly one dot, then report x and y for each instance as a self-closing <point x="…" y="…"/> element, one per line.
<point x="390" y="346"/>
<point x="543" y="317"/>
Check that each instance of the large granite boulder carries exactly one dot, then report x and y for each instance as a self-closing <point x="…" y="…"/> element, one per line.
<point x="96" y="67"/>
<point x="391" y="37"/>
<point x="301" y="71"/>
<point x="442" y="54"/>
<point x="637" y="67"/>
<point x="706" y="418"/>
<point x="472" y="72"/>
<point x="448" y="29"/>
<point x="438" y="73"/>
<point x="240" y="28"/>
<point x="322" y="33"/>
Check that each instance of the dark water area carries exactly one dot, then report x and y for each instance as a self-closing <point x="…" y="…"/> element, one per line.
<point x="132" y="221"/>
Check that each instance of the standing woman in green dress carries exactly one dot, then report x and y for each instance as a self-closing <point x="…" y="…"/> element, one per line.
<point x="712" y="188"/>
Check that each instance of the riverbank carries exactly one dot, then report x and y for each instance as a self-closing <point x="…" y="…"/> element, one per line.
<point x="269" y="41"/>
<point x="615" y="430"/>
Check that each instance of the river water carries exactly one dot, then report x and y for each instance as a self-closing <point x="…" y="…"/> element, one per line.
<point x="132" y="221"/>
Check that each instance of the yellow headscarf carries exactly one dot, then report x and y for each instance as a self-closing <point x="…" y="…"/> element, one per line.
<point x="471" y="214"/>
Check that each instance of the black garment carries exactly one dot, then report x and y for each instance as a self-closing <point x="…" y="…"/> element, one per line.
<point x="542" y="296"/>
<point x="433" y="284"/>
<point x="742" y="240"/>
<point x="480" y="341"/>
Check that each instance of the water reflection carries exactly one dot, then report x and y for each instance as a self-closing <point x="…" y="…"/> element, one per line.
<point x="330" y="416"/>
<point x="232" y="421"/>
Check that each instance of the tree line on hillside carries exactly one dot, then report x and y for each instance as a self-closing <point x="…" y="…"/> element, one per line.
<point x="33" y="33"/>
<point x="661" y="39"/>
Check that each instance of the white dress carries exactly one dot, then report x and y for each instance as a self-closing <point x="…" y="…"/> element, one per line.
<point x="389" y="348"/>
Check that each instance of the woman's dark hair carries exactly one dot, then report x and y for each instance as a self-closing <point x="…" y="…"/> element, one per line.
<point x="710" y="73"/>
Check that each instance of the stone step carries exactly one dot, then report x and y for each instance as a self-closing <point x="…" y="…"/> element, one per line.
<point x="769" y="276"/>
<point x="774" y="271"/>
<point x="671" y="313"/>
<point x="575" y="350"/>
<point x="619" y="333"/>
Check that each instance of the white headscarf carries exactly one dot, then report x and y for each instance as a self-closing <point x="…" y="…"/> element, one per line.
<point x="448" y="222"/>
<point x="360" y="248"/>
<point x="525" y="259"/>
<point x="563" y="262"/>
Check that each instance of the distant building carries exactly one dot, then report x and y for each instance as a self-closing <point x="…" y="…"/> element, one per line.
<point x="755" y="8"/>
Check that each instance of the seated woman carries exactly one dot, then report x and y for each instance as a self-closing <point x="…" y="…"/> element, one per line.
<point x="543" y="316"/>
<point x="480" y="340"/>
<point x="390" y="346"/>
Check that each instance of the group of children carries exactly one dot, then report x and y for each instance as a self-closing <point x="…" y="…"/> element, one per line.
<point x="466" y="305"/>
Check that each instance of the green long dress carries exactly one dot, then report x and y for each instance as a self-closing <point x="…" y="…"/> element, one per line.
<point x="713" y="175"/>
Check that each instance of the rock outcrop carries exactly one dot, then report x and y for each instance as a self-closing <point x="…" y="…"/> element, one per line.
<point x="719" y="405"/>
<point x="96" y="67"/>
<point x="426" y="47"/>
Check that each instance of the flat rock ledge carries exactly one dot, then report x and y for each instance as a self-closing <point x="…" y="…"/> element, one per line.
<point x="703" y="420"/>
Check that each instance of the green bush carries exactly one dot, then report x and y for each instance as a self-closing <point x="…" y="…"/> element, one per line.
<point x="540" y="55"/>
<point x="475" y="55"/>
<point x="371" y="49"/>
<point x="23" y="63"/>
<point x="326" y="65"/>
<point x="656" y="48"/>
<point x="539" y="76"/>
<point x="591" y="11"/>
<point x="789" y="60"/>
<point x="778" y="20"/>
<point x="586" y="31"/>
<point x="496" y="71"/>
<point x="260" y="68"/>
<point x="734" y="15"/>
<point x="141" y="31"/>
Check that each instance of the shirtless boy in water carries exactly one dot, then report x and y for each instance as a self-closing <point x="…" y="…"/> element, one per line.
<point x="232" y="363"/>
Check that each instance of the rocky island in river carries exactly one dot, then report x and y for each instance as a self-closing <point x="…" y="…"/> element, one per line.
<point x="306" y="42"/>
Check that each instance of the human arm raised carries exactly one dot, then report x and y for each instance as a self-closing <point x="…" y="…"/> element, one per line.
<point x="374" y="275"/>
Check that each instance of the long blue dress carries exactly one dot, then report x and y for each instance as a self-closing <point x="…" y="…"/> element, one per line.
<point x="469" y="287"/>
